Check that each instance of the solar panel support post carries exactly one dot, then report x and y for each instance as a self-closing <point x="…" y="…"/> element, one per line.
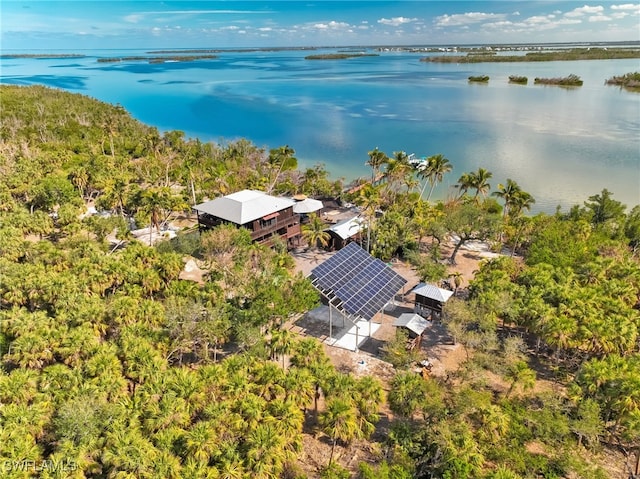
<point x="330" y="323"/>
<point x="357" y="340"/>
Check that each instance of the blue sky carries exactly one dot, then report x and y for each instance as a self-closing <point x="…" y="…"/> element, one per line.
<point x="52" y="24"/>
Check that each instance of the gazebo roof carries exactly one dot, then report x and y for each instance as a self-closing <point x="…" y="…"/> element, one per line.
<point x="432" y="292"/>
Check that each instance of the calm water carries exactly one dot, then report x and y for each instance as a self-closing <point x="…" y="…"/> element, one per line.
<point x="561" y="145"/>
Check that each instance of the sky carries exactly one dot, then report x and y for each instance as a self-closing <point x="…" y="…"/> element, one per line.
<point x="52" y="24"/>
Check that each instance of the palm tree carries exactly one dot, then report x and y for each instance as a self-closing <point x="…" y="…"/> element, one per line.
<point x="376" y="159"/>
<point x="369" y="199"/>
<point x="520" y="373"/>
<point x="314" y="232"/>
<point x="521" y="201"/>
<point x="340" y="422"/>
<point x="480" y="182"/>
<point x="399" y="168"/>
<point x="407" y="394"/>
<point x="465" y="183"/>
<point x="281" y="343"/>
<point x="508" y="192"/>
<point x="282" y="158"/>
<point x="154" y="202"/>
<point x="437" y="166"/>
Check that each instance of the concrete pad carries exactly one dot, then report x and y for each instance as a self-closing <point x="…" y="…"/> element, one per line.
<point x="344" y="333"/>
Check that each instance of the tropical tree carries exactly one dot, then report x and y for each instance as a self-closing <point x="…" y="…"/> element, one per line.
<point x="515" y="199"/>
<point x="398" y="169"/>
<point x="376" y="160"/>
<point x="480" y="182"/>
<point x="408" y="391"/>
<point x="603" y="208"/>
<point x="469" y="222"/>
<point x="369" y="199"/>
<point x="281" y="159"/>
<point x="340" y="422"/>
<point x="433" y="171"/>
<point x="520" y="374"/>
<point x="315" y="232"/>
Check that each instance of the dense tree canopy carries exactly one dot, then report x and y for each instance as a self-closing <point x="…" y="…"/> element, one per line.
<point x="111" y="365"/>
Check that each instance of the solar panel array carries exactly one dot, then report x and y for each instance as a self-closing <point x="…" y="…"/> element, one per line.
<point x="362" y="283"/>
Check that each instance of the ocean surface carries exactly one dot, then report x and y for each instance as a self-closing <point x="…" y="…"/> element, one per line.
<point x="562" y="145"/>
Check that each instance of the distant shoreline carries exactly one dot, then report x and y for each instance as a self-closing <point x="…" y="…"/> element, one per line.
<point x="573" y="54"/>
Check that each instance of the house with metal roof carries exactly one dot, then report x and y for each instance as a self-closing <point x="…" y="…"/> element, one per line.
<point x="430" y="299"/>
<point x="345" y="231"/>
<point x="266" y="217"/>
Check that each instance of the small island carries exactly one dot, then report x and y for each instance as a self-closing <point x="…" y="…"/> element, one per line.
<point x="176" y="58"/>
<point x="339" y="56"/>
<point x="479" y="79"/>
<point x="629" y="80"/>
<point x="571" y="80"/>
<point x="44" y="56"/>
<point x="520" y="80"/>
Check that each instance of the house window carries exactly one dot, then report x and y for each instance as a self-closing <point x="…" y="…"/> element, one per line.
<point x="269" y="220"/>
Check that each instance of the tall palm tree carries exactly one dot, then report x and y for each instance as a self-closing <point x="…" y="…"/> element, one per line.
<point x="521" y="201"/>
<point x="369" y="199"/>
<point x="398" y="168"/>
<point x="464" y="184"/>
<point x="507" y="193"/>
<point x="436" y="167"/>
<point x="283" y="159"/>
<point x="515" y="198"/>
<point x="314" y="232"/>
<point x="480" y="182"/>
<point x="376" y="159"/>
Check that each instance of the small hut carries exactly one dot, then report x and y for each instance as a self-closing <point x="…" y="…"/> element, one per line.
<point x="415" y="325"/>
<point x="430" y="300"/>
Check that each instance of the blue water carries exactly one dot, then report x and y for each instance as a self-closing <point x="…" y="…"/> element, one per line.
<point x="561" y="145"/>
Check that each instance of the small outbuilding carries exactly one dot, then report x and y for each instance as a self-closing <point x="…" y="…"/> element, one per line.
<point x="345" y="231"/>
<point x="430" y="299"/>
<point x="414" y="323"/>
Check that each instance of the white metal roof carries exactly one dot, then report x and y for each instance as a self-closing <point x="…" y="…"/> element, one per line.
<point x="244" y="206"/>
<point x="348" y="228"/>
<point x="432" y="292"/>
<point x="413" y="322"/>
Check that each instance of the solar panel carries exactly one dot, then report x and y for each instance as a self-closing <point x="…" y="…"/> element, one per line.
<point x="362" y="283"/>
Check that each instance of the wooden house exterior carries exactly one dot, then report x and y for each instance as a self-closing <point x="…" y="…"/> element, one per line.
<point x="266" y="217"/>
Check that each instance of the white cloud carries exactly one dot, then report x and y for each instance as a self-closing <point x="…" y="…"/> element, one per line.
<point x="537" y="20"/>
<point x="230" y="27"/>
<point x="265" y="29"/>
<point x="332" y="25"/>
<point x="568" y="21"/>
<point x="632" y="7"/>
<point x="599" y="18"/>
<point x="459" y="19"/>
<point x="134" y="18"/>
<point x="396" y="21"/>
<point x="619" y="15"/>
<point x="580" y="11"/>
<point x="206" y="12"/>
